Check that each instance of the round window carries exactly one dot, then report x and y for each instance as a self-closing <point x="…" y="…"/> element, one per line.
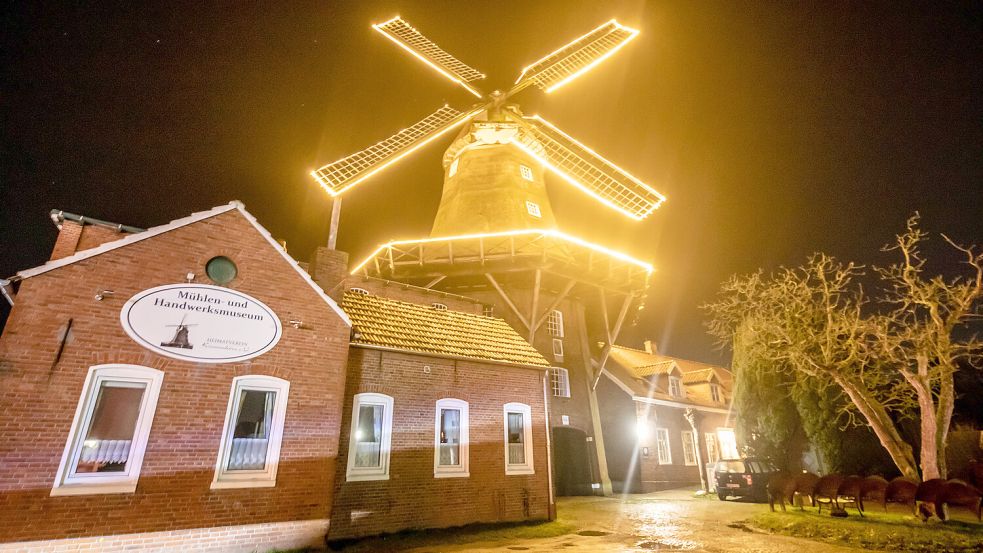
<point x="221" y="269"/>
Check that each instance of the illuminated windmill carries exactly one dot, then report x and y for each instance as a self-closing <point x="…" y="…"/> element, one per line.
<point x="494" y="236"/>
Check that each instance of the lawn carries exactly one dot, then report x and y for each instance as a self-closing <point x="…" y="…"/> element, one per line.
<point x="877" y="530"/>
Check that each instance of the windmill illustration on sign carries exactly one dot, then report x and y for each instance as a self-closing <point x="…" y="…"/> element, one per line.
<point x="180" y="339"/>
<point x="494" y="169"/>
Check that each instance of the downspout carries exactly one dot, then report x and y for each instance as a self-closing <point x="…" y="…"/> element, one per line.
<point x="551" y="508"/>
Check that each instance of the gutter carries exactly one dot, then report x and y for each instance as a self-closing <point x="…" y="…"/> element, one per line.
<point x="58" y="216"/>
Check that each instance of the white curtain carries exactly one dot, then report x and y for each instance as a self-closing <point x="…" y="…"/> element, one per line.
<point x="105" y="451"/>
<point x="251" y="438"/>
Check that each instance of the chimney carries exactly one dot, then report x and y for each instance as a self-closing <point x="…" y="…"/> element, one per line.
<point x="651" y="347"/>
<point x="329" y="269"/>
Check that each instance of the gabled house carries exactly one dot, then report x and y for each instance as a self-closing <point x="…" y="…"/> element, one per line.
<point x="665" y="419"/>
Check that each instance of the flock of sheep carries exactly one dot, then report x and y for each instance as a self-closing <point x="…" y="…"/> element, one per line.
<point x="928" y="498"/>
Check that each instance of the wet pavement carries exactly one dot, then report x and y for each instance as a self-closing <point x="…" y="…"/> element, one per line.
<point x="665" y="521"/>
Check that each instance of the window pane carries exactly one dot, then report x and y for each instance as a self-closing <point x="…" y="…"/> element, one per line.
<point x="450" y="437"/>
<point x="368" y="437"/>
<point x="106" y="447"/>
<point x="517" y="449"/>
<point x="251" y="435"/>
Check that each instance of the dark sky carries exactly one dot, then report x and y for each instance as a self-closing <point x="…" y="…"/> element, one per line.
<point x="775" y="129"/>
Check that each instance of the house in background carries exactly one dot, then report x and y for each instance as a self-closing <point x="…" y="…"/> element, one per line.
<point x="664" y="419"/>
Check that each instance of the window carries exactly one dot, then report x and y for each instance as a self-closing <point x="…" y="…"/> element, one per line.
<point x="675" y="389"/>
<point x="221" y="270"/>
<point x="518" y="439"/>
<point x="728" y="443"/>
<point x="249" y="452"/>
<point x="488" y="310"/>
<point x="438" y="306"/>
<point x="554" y="323"/>
<point x="453" y="168"/>
<point x="525" y="172"/>
<point x="371" y="436"/>
<point x="106" y="443"/>
<point x="533" y="209"/>
<point x="689" y="448"/>
<point x="662" y="446"/>
<point x="560" y="382"/>
<point x="713" y="451"/>
<point x="558" y="349"/>
<point x="451" y="439"/>
<point x="715" y="393"/>
<point x="359" y="291"/>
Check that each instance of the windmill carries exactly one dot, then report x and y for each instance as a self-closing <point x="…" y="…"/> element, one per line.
<point x="499" y="136"/>
<point x="180" y="339"/>
<point x="494" y="236"/>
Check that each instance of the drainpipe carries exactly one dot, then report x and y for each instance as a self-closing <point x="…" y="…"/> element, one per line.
<point x="7" y="291"/>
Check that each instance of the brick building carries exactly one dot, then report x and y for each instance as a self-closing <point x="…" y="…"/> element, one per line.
<point x="116" y="437"/>
<point x="663" y="419"/>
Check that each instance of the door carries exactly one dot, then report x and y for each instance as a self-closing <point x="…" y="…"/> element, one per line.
<point x="571" y="462"/>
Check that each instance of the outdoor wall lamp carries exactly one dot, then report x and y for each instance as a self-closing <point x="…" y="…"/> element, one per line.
<point x="104" y="293"/>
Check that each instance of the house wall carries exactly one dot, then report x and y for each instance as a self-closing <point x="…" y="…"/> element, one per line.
<point x="618" y="423"/>
<point x="656" y="476"/>
<point x="173" y="495"/>
<point x="412" y="497"/>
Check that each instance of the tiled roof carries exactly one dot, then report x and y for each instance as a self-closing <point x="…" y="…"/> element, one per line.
<point x="412" y="327"/>
<point x="662" y="367"/>
<point x="699" y="376"/>
<point x="634" y="368"/>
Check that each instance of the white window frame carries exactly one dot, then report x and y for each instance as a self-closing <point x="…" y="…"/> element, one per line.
<point x="532" y="208"/>
<point x="255" y="478"/>
<point x="713" y="447"/>
<point x="462" y="469"/>
<point x="560" y="382"/>
<point x="527" y="466"/>
<point x="487" y="310"/>
<point x="731" y="442"/>
<point x="660" y="434"/>
<point x="526" y="173"/>
<point x="358" y="474"/>
<point x="675" y="386"/>
<point x="715" y="392"/>
<point x="439" y="306"/>
<point x="69" y="483"/>
<point x="689" y="438"/>
<point x="554" y="323"/>
<point x="558" y="349"/>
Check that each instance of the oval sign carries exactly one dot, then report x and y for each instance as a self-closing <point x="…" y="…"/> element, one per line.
<point x="201" y="323"/>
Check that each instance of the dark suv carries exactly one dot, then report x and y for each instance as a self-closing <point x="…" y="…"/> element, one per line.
<point x="743" y="478"/>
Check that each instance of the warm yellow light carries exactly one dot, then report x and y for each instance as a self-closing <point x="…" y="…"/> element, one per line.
<point x="544" y="232"/>
<point x="634" y="33"/>
<point x="379" y="27"/>
<point x="332" y="192"/>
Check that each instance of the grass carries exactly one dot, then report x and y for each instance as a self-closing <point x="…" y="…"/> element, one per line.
<point x="878" y="530"/>
<point x="472" y="533"/>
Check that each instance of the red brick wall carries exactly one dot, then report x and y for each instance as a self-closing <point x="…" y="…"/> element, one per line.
<point x="74" y="237"/>
<point x="412" y="497"/>
<point x="40" y="397"/>
<point x="655" y="476"/>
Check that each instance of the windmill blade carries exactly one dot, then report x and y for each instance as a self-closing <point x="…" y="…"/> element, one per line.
<point x="585" y="169"/>
<point x="576" y="58"/>
<point x="423" y="48"/>
<point x="345" y="173"/>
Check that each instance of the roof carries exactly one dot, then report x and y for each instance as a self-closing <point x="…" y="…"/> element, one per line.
<point x="632" y="369"/>
<point x="176" y="224"/>
<point x="387" y="323"/>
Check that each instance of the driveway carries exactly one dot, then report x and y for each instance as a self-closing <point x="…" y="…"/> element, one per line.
<point x="664" y="521"/>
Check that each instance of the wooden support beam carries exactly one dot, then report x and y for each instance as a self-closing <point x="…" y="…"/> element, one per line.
<point x="611" y="332"/>
<point x="563" y="295"/>
<point x="434" y="282"/>
<point x="508" y="301"/>
<point x="535" y="305"/>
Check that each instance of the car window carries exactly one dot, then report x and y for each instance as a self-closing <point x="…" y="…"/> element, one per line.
<point x="730" y="466"/>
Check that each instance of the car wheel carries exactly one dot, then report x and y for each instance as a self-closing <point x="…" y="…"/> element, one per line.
<point x="722" y="495"/>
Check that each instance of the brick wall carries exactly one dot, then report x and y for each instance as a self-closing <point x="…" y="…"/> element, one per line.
<point x="656" y="476"/>
<point x="412" y="497"/>
<point x="74" y="237"/>
<point x="40" y="396"/>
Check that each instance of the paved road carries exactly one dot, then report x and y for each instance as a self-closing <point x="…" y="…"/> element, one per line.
<point x="664" y="521"/>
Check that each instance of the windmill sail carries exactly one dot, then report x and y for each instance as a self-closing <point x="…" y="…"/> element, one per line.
<point x="341" y="175"/>
<point x="585" y="169"/>
<point x="576" y="58"/>
<point x="423" y="48"/>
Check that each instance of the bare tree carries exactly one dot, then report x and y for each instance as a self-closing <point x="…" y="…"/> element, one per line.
<point x="815" y="322"/>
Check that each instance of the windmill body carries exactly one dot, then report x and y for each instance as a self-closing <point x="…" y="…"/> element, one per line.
<point x="495" y="237"/>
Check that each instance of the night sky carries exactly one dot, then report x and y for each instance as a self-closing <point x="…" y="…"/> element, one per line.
<point x="775" y="130"/>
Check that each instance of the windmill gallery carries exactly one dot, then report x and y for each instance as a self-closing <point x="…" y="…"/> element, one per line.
<point x="214" y="393"/>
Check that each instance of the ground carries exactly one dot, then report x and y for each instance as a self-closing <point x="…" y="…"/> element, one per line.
<point x="673" y="520"/>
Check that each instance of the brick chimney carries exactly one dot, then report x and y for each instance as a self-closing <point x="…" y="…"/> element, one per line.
<point x="651" y="347"/>
<point x="75" y="237"/>
<point x="329" y="269"/>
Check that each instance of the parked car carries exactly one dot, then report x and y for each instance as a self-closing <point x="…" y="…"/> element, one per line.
<point x="743" y="478"/>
